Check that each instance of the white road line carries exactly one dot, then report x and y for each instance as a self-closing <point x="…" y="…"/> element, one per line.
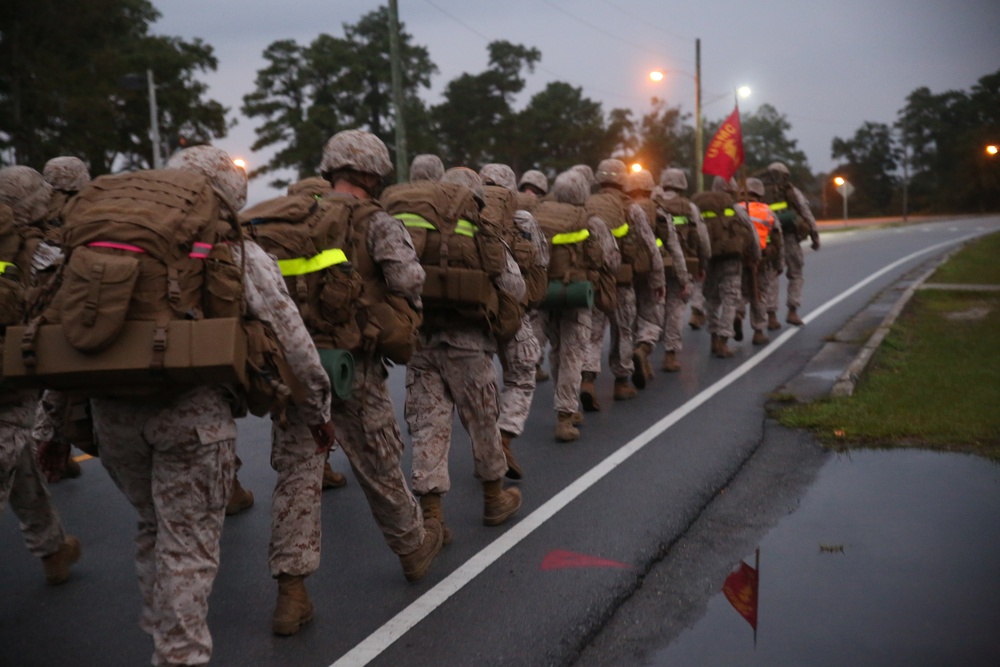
<point x="419" y="609"/>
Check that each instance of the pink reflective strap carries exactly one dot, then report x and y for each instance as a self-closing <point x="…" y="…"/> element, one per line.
<point x="115" y="246"/>
<point x="200" y="250"/>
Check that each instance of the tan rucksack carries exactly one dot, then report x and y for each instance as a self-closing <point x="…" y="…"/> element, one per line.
<point x="679" y="209"/>
<point x="323" y="255"/>
<point x="611" y="206"/>
<point x="727" y="234"/>
<point x="501" y="211"/>
<point x="462" y="255"/>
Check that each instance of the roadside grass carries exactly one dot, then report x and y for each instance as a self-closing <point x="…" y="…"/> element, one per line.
<point x="935" y="380"/>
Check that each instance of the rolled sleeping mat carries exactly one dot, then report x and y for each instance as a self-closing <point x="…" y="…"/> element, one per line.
<point x="339" y="366"/>
<point x="577" y="294"/>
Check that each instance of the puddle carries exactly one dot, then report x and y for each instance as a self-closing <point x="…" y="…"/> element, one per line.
<point x="891" y="559"/>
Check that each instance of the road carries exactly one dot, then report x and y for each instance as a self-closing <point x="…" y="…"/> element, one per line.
<point x="597" y="515"/>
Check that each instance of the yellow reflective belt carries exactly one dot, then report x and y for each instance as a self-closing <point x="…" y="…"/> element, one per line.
<point x="619" y="232"/>
<point x="680" y="219"/>
<point x="303" y="265"/>
<point x="4" y="266"/>
<point x="466" y="228"/>
<point x="463" y="227"/>
<point x="711" y="214"/>
<point x="567" y="238"/>
<point x="659" y="242"/>
<point x="779" y="206"/>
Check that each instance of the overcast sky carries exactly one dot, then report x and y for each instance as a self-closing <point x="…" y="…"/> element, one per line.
<point x="827" y="66"/>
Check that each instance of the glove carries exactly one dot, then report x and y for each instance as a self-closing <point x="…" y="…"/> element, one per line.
<point x="815" y="240"/>
<point x="324" y="435"/>
<point x="52" y="457"/>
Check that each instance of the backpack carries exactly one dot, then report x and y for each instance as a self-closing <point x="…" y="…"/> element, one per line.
<point x="462" y="254"/>
<point x="501" y="211"/>
<point x="323" y="255"/>
<point x="573" y="255"/>
<point x="679" y="209"/>
<point x="14" y="265"/>
<point x="727" y="234"/>
<point x="148" y="300"/>
<point x="527" y="201"/>
<point x="611" y="206"/>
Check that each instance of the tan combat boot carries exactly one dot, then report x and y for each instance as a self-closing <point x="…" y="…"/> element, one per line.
<point x="722" y="350"/>
<point x="566" y="431"/>
<point x="418" y="562"/>
<point x="772" y="321"/>
<point x="513" y="467"/>
<point x="697" y="319"/>
<point x="760" y="338"/>
<point x="430" y="506"/>
<point x="294" y="608"/>
<point x="331" y="478"/>
<point x="57" y="565"/>
<point x="540" y="374"/>
<point x="623" y="390"/>
<point x="670" y="364"/>
<point x="642" y="371"/>
<point x="793" y="317"/>
<point x="239" y="500"/>
<point x="588" y="392"/>
<point x="577" y="419"/>
<point x="499" y="504"/>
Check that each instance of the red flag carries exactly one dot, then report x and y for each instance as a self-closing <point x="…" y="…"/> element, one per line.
<point x="724" y="154"/>
<point x="741" y="590"/>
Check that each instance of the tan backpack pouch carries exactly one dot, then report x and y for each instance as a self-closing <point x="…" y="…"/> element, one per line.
<point x="396" y="324"/>
<point x="223" y="283"/>
<point x="11" y="301"/>
<point x="97" y="289"/>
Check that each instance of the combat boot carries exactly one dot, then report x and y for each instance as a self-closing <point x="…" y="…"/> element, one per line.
<point x="760" y="338"/>
<point x="499" y="504"/>
<point x="294" y="609"/>
<point x="540" y="374"/>
<point x="772" y="321"/>
<point x="738" y="329"/>
<point x="715" y="345"/>
<point x="71" y="471"/>
<point x="623" y="390"/>
<point x="239" y="500"/>
<point x="57" y="565"/>
<point x="577" y="419"/>
<point x="331" y="478"/>
<point x="642" y="371"/>
<point x="670" y="364"/>
<point x="697" y="319"/>
<point x="793" y="317"/>
<point x="430" y="507"/>
<point x="588" y="392"/>
<point x="418" y="562"/>
<point x="722" y="350"/>
<point x="513" y="467"/>
<point x="566" y="431"/>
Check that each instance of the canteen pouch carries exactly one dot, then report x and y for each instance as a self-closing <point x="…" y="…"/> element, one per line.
<point x="96" y="291"/>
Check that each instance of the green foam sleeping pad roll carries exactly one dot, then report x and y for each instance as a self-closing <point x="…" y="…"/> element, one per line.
<point x="578" y="294"/>
<point x="339" y="365"/>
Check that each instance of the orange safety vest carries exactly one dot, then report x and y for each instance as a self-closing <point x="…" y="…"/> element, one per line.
<point x="763" y="219"/>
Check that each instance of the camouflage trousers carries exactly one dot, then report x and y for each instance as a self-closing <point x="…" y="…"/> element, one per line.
<point x="622" y="336"/>
<point x="569" y="331"/>
<point x="766" y="300"/>
<point x="174" y="461"/>
<point x="649" y="313"/>
<point x="440" y="380"/>
<point x="296" y="528"/>
<point x="518" y="358"/>
<point x="697" y="300"/>
<point x="673" y="315"/>
<point x="723" y="294"/>
<point x="537" y="319"/>
<point x="368" y="432"/>
<point x="794" y="264"/>
<point x="22" y="481"/>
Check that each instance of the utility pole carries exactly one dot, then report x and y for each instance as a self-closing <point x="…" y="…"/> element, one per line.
<point x="698" y="139"/>
<point x="402" y="161"/>
<point x="154" y="121"/>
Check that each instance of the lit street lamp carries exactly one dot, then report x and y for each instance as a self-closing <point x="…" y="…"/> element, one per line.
<point x="991" y="150"/>
<point x="845" y="189"/>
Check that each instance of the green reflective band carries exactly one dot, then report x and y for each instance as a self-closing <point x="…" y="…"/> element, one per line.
<point x="4" y="266"/>
<point x="414" y="220"/>
<point x="619" y="232"/>
<point x="567" y="238"/>
<point x="466" y="228"/>
<point x="680" y="219"/>
<point x="659" y="243"/>
<point x="711" y="214"/>
<point x="304" y="265"/>
<point x="779" y="206"/>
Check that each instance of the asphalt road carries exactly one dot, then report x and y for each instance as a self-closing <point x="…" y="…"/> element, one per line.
<point x="598" y="515"/>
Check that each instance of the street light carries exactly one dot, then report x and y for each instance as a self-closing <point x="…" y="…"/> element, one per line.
<point x="658" y="75"/>
<point x="991" y="150"/>
<point x="845" y="189"/>
<point x="636" y="167"/>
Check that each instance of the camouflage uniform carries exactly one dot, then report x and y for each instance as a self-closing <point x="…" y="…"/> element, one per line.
<point x="675" y="308"/>
<point x="723" y="284"/>
<point x="794" y="259"/>
<point x="426" y="167"/>
<point x="765" y="301"/>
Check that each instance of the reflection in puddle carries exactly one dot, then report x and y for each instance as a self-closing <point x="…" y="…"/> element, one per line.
<point x="892" y="558"/>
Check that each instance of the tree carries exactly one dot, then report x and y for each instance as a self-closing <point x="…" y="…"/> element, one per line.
<point x="665" y="140"/>
<point x="59" y="83"/>
<point x="870" y="164"/>
<point x="561" y="128"/>
<point x="765" y="140"/>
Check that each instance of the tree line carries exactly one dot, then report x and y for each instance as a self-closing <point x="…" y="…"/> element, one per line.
<point x="62" y="93"/>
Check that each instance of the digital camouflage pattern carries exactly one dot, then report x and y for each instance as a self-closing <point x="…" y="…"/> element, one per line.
<point x="26" y="192"/>
<point x="358" y="150"/>
<point x="66" y="173"/>
<point x="426" y="167"/>
<point x="228" y="180"/>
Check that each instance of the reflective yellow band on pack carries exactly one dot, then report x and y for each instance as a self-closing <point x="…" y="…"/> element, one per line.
<point x="711" y="214"/>
<point x="567" y="238"/>
<point x="659" y="243"/>
<point x="619" y="232"/>
<point x="680" y="219"/>
<point x="463" y="227"/>
<point x="779" y="206"/>
<point x="303" y="265"/>
<point x="4" y="266"/>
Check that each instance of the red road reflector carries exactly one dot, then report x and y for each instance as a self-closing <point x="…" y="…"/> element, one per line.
<point x="559" y="559"/>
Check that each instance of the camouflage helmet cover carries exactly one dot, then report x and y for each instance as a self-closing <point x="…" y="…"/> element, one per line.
<point x="535" y="178"/>
<point x="467" y="177"/>
<point x="755" y="186"/>
<point x="779" y="168"/>
<point x="611" y="171"/>
<point x="66" y="173"/>
<point x="570" y="187"/>
<point x="26" y="192"/>
<point x="586" y="172"/>
<point x="499" y="174"/>
<point x="426" y="167"/>
<point x="639" y="181"/>
<point x="228" y="180"/>
<point x="674" y="178"/>
<point x="358" y="150"/>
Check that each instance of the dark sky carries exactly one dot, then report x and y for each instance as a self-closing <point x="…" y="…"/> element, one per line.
<point x="827" y="66"/>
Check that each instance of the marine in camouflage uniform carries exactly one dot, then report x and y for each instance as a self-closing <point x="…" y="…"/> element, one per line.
<point x="426" y="167"/>
<point x="173" y="458"/>
<point x="532" y="186"/>
<point x="794" y="259"/>
<point x="768" y="269"/>
<point x="67" y="175"/>
<point x="451" y="370"/>
<point x="519" y="356"/>
<point x="24" y="196"/>
<point x="569" y="329"/>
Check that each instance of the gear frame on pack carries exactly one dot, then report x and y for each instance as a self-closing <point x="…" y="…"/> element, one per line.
<point x="611" y="206"/>
<point x="728" y="235"/>
<point x="679" y="210"/>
